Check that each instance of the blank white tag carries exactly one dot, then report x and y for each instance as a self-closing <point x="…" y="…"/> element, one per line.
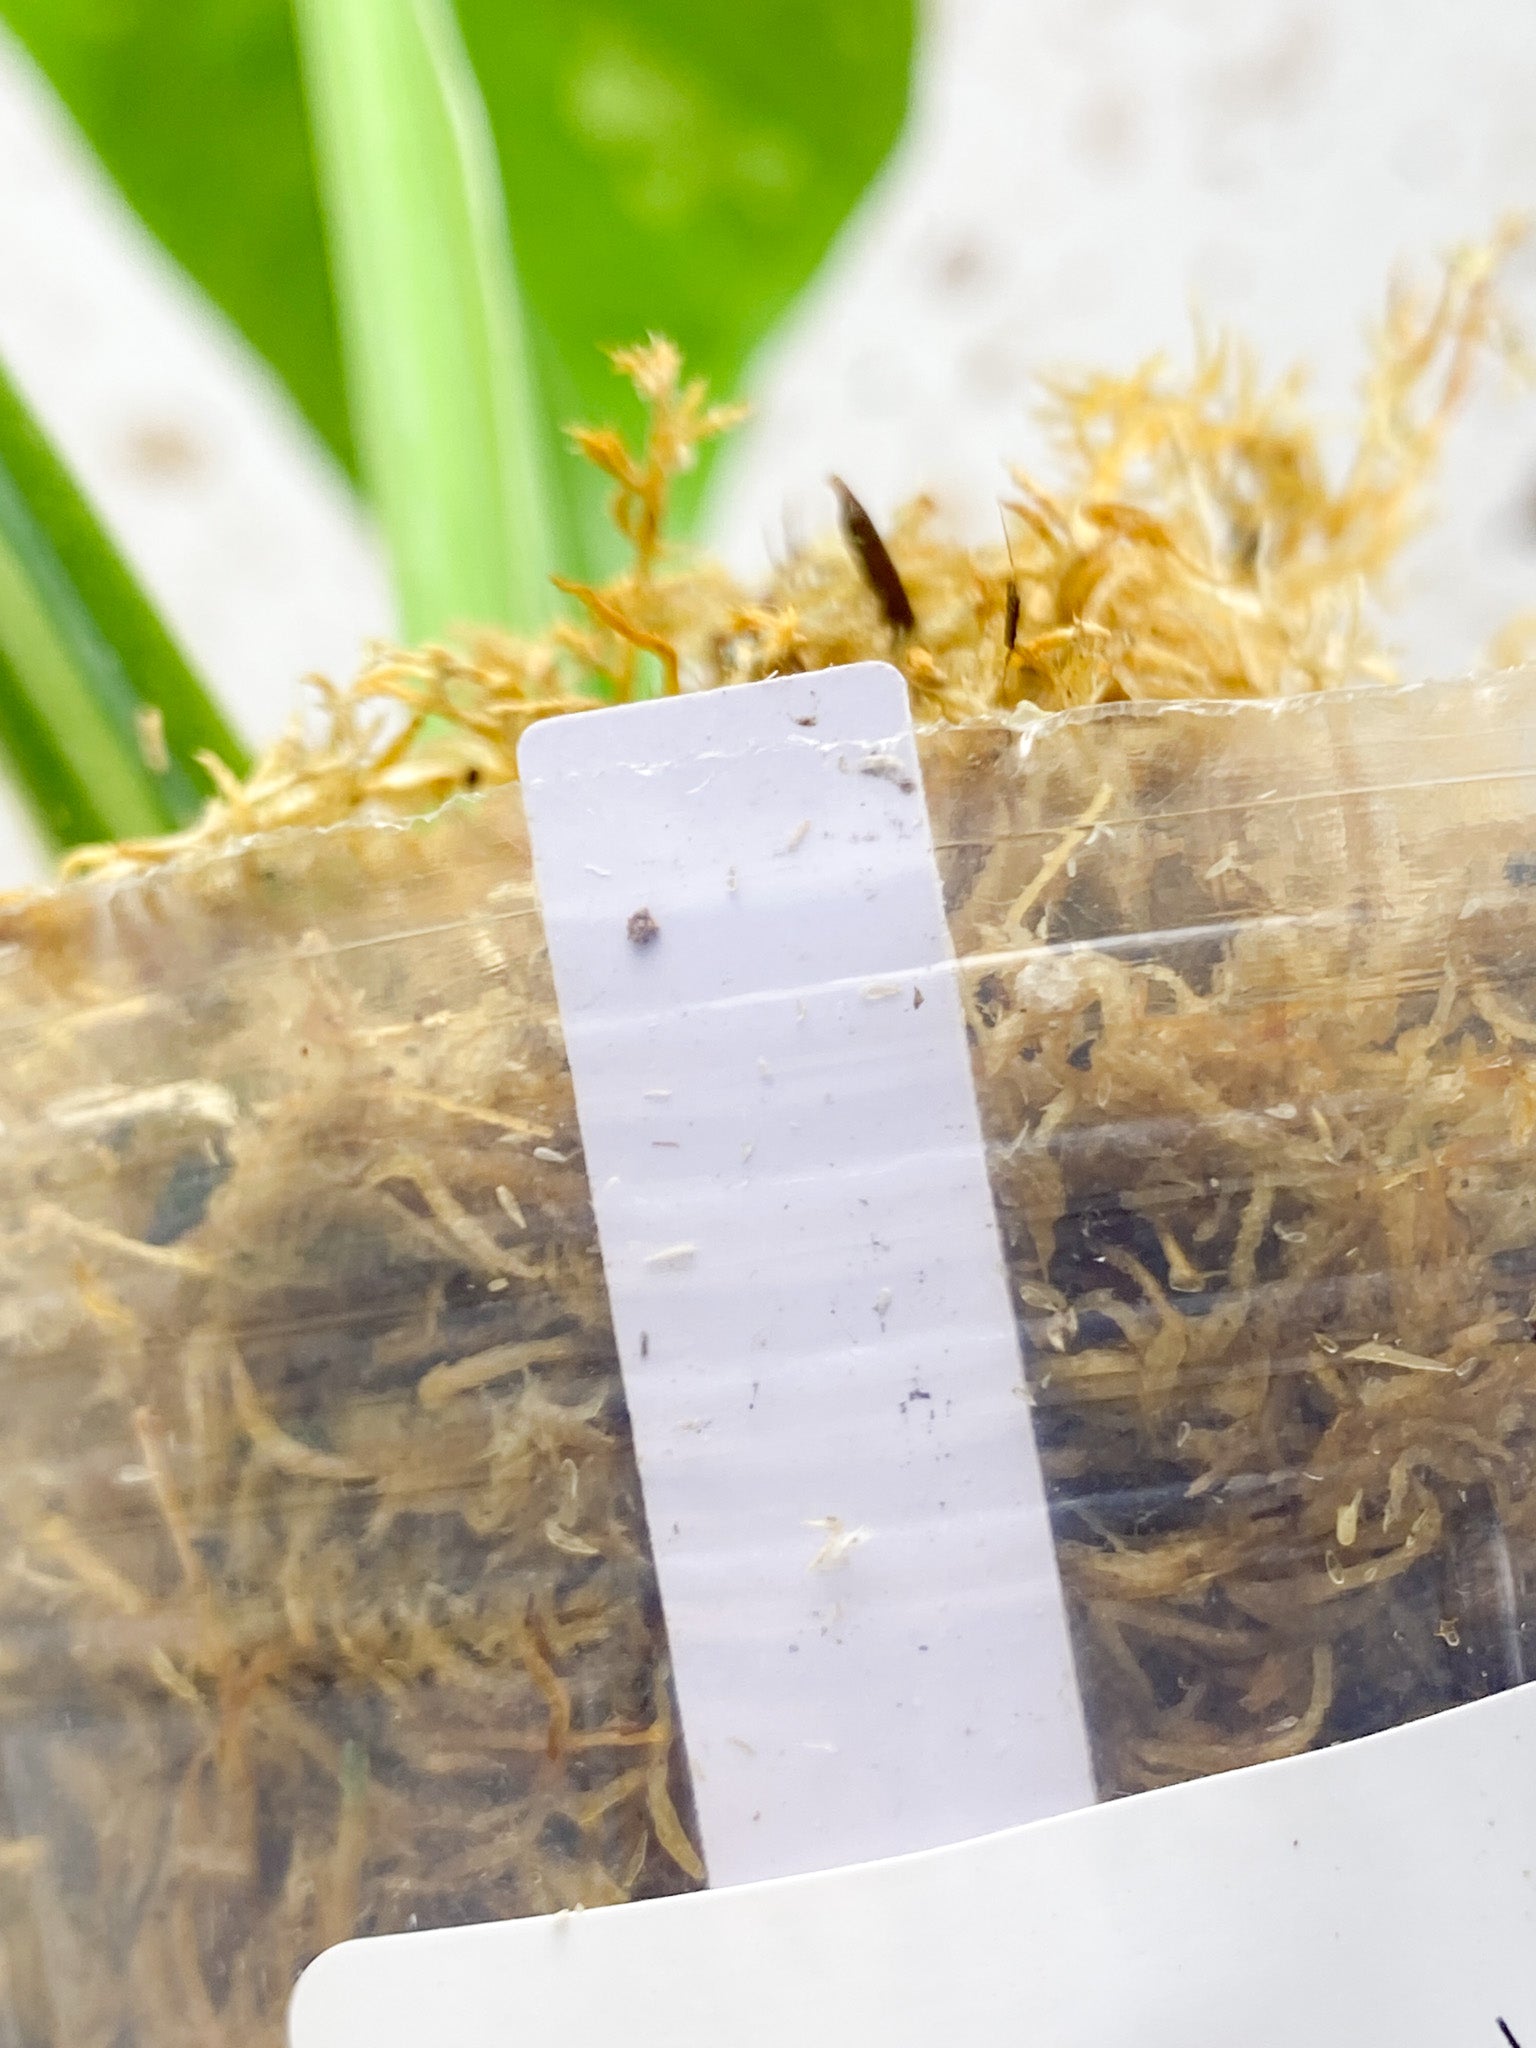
<point x="819" y="1351"/>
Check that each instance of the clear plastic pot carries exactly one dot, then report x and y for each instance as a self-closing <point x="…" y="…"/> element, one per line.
<point x="327" y="1604"/>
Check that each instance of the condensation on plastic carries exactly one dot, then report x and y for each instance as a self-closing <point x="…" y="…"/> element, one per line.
<point x="325" y="1600"/>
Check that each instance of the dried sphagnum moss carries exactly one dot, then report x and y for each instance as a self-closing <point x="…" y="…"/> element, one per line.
<point x="1252" y="993"/>
<point x="326" y="1601"/>
<point x="1196" y="546"/>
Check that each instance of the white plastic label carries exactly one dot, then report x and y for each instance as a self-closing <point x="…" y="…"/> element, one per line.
<point x="765" y="1032"/>
<point x="1383" y="1891"/>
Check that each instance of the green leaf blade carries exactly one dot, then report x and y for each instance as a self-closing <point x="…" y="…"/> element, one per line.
<point x="100" y="714"/>
<point x="682" y="167"/>
<point x="56" y="791"/>
<point x="446" y="416"/>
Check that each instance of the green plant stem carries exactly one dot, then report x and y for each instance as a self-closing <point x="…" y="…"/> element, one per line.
<point x="443" y="398"/>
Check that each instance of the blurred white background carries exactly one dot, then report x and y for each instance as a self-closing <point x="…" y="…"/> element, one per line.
<point x="1079" y="174"/>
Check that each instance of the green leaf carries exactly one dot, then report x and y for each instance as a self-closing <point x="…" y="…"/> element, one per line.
<point x="681" y="165"/>
<point x="446" y="414"/>
<point x="100" y="715"/>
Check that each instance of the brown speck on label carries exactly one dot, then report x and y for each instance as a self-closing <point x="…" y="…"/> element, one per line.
<point x="642" y="928"/>
<point x="917" y="999"/>
<point x="809" y="719"/>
